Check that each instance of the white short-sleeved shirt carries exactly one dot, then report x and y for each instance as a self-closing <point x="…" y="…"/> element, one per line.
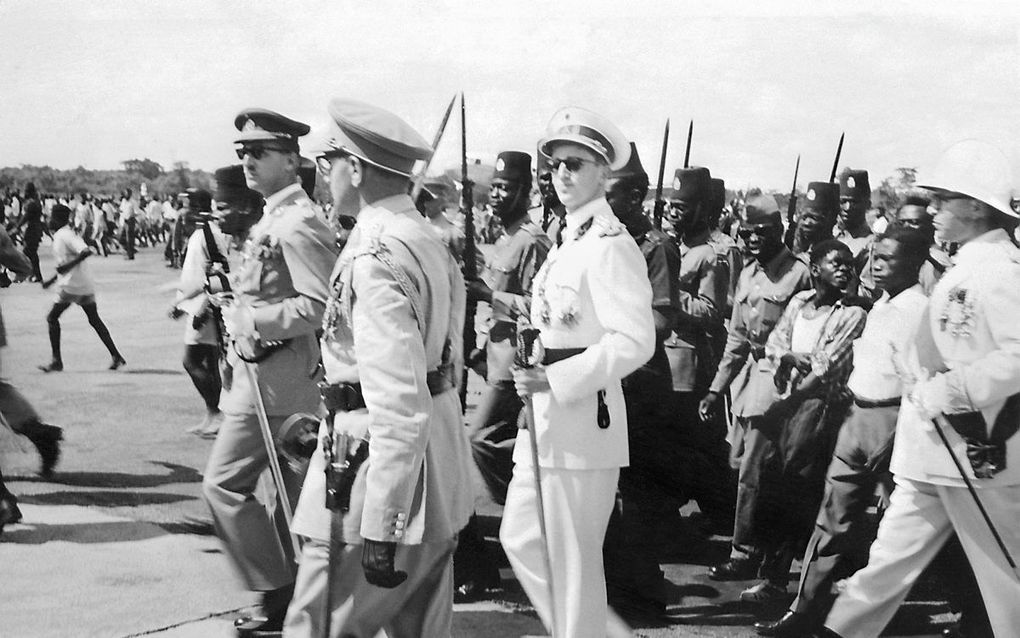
<point x="66" y="246"/>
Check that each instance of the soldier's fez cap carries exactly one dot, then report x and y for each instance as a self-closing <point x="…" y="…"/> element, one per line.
<point x="823" y="197"/>
<point x="633" y="167"/>
<point x="263" y="125"/>
<point x="376" y="136"/>
<point x="694" y="183"/>
<point x="230" y="185"/>
<point x="853" y="183"/>
<point x="306" y="172"/>
<point x="976" y="169"/>
<point x="718" y="194"/>
<point x="590" y="130"/>
<point x="761" y="209"/>
<point x="513" y="166"/>
<point x="199" y="199"/>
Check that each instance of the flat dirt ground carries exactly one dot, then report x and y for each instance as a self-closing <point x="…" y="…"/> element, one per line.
<point x="118" y="543"/>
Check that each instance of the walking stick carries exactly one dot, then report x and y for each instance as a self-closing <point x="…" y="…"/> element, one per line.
<point x="529" y="355"/>
<point x="274" y="461"/>
<point x="939" y="422"/>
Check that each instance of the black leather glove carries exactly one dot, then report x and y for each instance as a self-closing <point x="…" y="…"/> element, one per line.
<point x="377" y="561"/>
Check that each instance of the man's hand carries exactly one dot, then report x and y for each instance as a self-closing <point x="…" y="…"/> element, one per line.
<point x="175" y="312"/>
<point x="530" y="380"/>
<point x="707" y="406"/>
<point x="478" y="290"/>
<point x="239" y="320"/>
<point x="377" y="559"/>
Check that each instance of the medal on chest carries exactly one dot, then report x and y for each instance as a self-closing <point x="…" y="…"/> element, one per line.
<point x="958" y="314"/>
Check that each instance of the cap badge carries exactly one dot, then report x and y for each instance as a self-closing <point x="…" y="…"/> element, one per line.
<point x="500" y="165"/>
<point x="811" y="194"/>
<point x="249" y="125"/>
<point x="851" y="183"/>
<point x="676" y="184"/>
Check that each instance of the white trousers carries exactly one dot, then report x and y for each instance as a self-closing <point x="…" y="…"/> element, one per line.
<point x="920" y="518"/>
<point x="578" y="504"/>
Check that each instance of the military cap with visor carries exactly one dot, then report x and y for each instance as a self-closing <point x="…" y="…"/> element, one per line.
<point x="576" y="125"/>
<point x="375" y="136"/>
<point x="262" y="126"/>
<point x="853" y="184"/>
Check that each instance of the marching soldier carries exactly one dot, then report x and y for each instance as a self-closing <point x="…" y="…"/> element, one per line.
<point x="960" y="379"/>
<point x="767" y="283"/>
<point x="592" y="303"/>
<point x="388" y="491"/>
<point x="852" y="224"/>
<point x="818" y="216"/>
<point x="278" y="299"/>
<point x="634" y="581"/>
<point x="520" y="252"/>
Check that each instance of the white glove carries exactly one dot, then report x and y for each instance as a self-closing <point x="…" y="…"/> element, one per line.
<point x="239" y="320"/>
<point x="930" y="395"/>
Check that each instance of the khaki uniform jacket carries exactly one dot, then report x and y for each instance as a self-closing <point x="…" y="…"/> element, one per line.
<point x="702" y="297"/>
<point x="973" y="319"/>
<point x="592" y="292"/>
<point x="520" y="252"/>
<point x="283" y="273"/>
<point x="761" y="298"/>
<point x="396" y="311"/>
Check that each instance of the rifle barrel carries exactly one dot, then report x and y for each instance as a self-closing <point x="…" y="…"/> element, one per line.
<point x="687" y="153"/>
<point x="835" y="162"/>
<point x="659" y="204"/>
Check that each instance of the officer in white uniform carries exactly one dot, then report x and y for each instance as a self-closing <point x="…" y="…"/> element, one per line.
<point x="381" y="557"/>
<point x="965" y="365"/>
<point x="592" y="303"/>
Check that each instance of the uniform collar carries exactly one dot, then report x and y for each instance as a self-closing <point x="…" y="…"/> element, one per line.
<point x="576" y="219"/>
<point x="385" y="206"/>
<point x="977" y="249"/>
<point x="902" y="299"/>
<point x="514" y="227"/>
<point x="776" y="264"/>
<point x="280" y="196"/>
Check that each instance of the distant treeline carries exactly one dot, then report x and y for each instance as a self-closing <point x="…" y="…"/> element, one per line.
<point x="158" y="181"/>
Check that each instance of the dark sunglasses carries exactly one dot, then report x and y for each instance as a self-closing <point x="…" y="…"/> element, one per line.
<point x="761" y="231"/>
<point x="573" y="164"/>
<point x="258" y="152"/>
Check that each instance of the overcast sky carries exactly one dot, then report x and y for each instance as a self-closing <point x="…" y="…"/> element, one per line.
<point x="95" y="83"/>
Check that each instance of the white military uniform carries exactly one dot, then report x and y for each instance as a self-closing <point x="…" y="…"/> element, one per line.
<point x="396" y="312"/>
<point x="973" y="321"/>
<point x="592" y="292"/>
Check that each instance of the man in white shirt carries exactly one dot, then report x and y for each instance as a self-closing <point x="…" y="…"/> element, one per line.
<point x="860" y="461"/>
<point x="74" y="286"/>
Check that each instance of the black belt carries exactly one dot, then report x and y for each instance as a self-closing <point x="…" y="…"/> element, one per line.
<point x="553" y="355"/>
<point x="347" y="397"/>
<point x="881" y="403"/>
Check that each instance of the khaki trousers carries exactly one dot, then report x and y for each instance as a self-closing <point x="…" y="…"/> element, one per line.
<point x="420" y="607"/>
<point x="253" y="538"/>
<point x="920" y="518"/>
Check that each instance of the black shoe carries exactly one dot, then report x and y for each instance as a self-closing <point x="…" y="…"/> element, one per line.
<point x="735" y="569"/>
<point x="791" y="625"/>
<point x="258" y="627"/>
<point x="46" y="439"/>
<point x="469" y="592"/>
<point x="637" y="609"/>
<point x="9" y="512"/>
<point x="117" y="362"/>
<point x="53" y="366"/>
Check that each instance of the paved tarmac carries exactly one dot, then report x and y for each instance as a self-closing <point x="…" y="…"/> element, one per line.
<point x="118" y="543"/>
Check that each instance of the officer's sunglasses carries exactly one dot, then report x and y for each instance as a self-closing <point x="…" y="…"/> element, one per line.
<point x="763" y="230"/>
<point x="573" y="164"/>
<point x="258" y="152"/>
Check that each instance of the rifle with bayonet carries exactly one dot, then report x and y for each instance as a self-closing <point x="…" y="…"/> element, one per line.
<point x="687" y="153"/>
<point x="470" y="266"/>
<point x="419" y="180"/>
<point x="791" y="209"/>
<point x="835" y="162"/>
<point x="660" y="204"/>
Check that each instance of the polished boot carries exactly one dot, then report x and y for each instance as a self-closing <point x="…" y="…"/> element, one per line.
<point x="9" y="512"/>
<point x="270" y="622"/>
<point x="736" y="569"/>
<point x="46" y="439"/>
<point x="791" y="625"/>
